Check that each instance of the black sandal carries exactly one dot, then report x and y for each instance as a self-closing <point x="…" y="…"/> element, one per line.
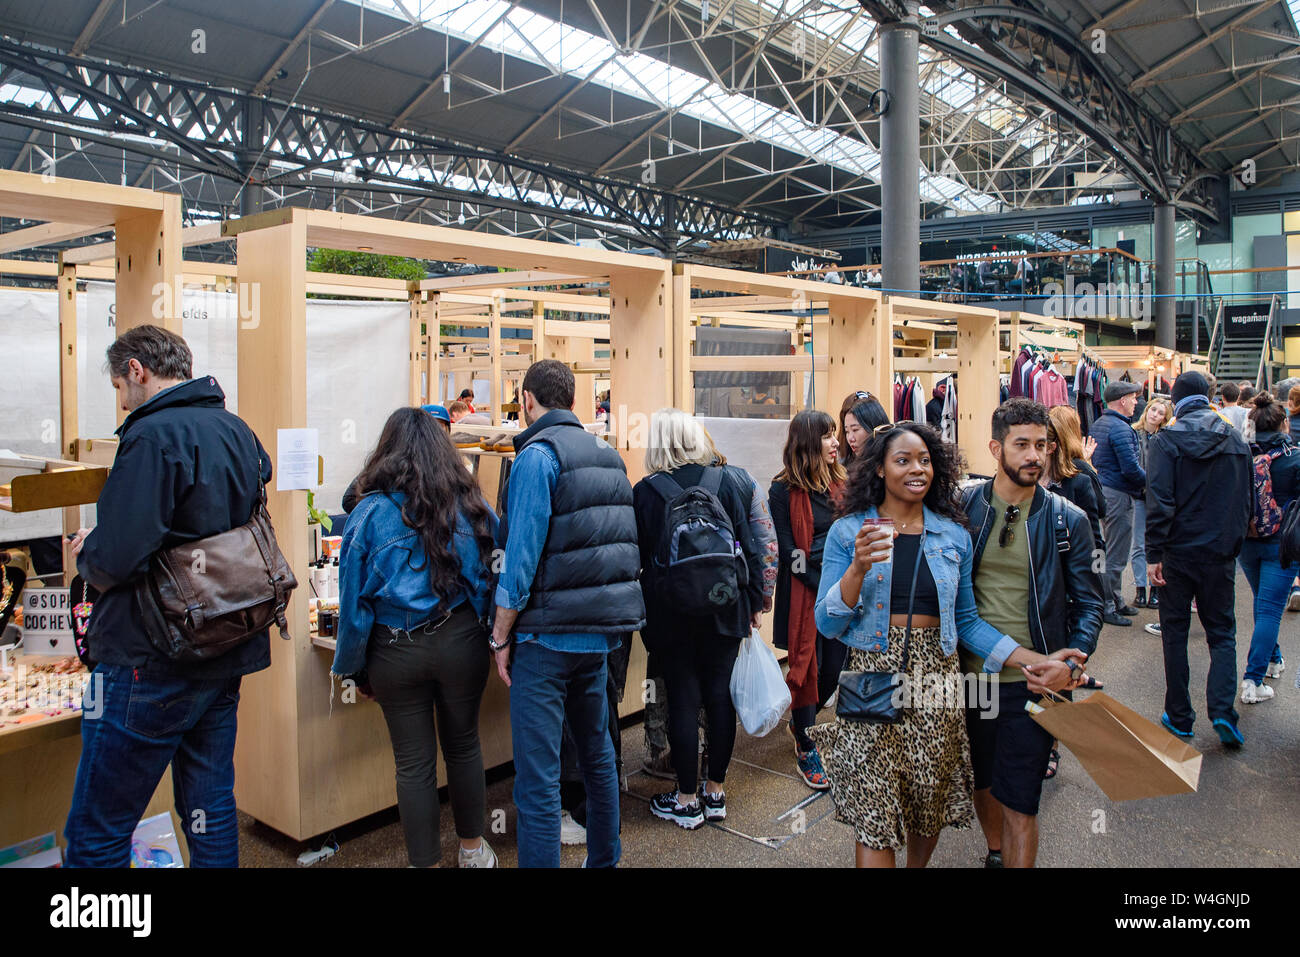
<point x="1053" y="764"/>
<point x="1092" y="684"/>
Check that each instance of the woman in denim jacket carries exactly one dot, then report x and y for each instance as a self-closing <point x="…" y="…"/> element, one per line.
<point x="413" y="589"/>
<point x="901" y="784"/>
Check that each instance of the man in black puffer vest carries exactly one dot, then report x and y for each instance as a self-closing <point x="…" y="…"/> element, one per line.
<point x="568" y="595"/>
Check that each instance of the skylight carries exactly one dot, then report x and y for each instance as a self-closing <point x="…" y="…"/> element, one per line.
<point x="564" y="49"/>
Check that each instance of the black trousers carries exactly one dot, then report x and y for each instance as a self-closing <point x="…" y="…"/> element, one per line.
<point x="697" y="671"/>
<point x="830" y="662"/>
<point x="1213" y="585"/>
<point x="424" y="683"/>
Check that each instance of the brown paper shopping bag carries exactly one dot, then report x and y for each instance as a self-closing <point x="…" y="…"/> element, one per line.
<point x="1128" y="756"/>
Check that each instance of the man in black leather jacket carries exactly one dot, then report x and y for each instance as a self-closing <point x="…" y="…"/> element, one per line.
<point x="1036" y="578"/>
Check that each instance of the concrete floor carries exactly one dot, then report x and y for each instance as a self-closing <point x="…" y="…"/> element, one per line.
<point x="1245" y="814"/>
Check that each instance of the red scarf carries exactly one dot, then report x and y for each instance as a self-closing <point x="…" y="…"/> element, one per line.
<point x="801" y="633"/>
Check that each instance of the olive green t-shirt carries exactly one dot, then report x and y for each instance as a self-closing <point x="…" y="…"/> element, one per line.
<point x="1002" y="587"/>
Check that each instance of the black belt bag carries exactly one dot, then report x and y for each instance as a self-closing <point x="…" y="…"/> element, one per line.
<point x="869" y="696"/>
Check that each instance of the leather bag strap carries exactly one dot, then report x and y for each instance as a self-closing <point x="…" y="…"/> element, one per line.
<point x="911" y="598"/>
<point x="193" y="607"/>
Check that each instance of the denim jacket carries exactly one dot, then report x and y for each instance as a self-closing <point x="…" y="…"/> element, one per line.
<point x="384" y="576"/>
<point x="866" y="625"/>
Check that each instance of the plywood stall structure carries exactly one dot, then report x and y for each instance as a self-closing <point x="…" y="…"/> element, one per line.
<point x="38" y="761"/>
<point x="498" y="301"/>
<point x="300" y="768"/>
<point x="845" y="325"/>
<point x="1064" y="337"/>
<point x="1149" y="362"/>
<point x="976" y="364"/>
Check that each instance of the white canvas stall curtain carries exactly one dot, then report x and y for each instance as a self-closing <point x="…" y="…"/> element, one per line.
<point x="357" y="374"/>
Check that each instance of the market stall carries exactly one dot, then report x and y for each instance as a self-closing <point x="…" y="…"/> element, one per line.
<point x="40" y="742"/>
<point x="305" y="761"/>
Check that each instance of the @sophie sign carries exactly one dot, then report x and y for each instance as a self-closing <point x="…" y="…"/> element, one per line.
<point x="47" y="622"/>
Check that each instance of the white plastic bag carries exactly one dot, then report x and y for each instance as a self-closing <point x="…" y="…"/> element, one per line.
<point x="758" y="688"/>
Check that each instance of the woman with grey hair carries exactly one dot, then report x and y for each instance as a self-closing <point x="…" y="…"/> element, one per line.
<point x="695" y="650"/>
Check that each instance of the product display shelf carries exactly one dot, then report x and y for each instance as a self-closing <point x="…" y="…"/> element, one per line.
<point x="42" y="483"/>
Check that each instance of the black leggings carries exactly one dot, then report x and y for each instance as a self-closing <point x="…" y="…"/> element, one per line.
<point x="414" y="679"/>
<point x="830" y="662"/>
<point x="697" y="671"/>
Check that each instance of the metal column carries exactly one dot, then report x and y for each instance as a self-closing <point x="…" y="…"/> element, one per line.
<point x="1166" y="330"/>
<point x="900" y="155"/>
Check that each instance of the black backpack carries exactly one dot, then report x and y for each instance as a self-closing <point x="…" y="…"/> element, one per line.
<point x="699" y="567"/>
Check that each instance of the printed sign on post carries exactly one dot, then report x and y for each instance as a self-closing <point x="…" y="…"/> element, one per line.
<point x="295" y="466"/>
<point x="47" y="622"/>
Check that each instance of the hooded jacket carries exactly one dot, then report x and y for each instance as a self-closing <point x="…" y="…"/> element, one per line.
<point x="185" y="469"/>
<point x="1199" y="489"/>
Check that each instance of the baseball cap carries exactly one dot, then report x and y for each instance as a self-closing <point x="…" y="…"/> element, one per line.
<point x="438" y="412"/>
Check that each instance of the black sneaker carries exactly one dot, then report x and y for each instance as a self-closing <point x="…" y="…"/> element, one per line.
<point x="994" y="859"/>
<point x="1128" y="610"/>
<point x="665" y="807"/>
<point x="715" y="805"/>
<point x="1111" y="618"/>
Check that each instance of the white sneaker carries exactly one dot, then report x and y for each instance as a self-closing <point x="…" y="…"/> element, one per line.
<point x="1252" y="693"/>
<point x="571" y="832"/>
<point x="1275" y="669"/>
<point x="1293" y="600"/>
<point x="484" y="856"/>
<point x="1152" y="628"/>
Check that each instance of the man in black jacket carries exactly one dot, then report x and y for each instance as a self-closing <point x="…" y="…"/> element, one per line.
<point x="185" y="469"/>
<point x="1199" y="503"/>
<point x="1034" y="572"/>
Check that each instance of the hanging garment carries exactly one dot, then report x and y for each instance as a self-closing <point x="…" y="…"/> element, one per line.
<point x="1017" y="369"/>
<point x="1051" y="389"/>
<point x="949" y="418"/>
<point x="918" y="401"/>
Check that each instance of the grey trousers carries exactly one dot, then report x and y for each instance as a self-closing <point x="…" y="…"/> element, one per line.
<point x="1117" y="529"/>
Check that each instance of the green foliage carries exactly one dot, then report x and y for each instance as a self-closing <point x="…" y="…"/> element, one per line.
<point x="349" y="263"/>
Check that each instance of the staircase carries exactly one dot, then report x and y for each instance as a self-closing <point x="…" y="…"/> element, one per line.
<point x="1256" y="359"/>
<point x="1239" y="360"/>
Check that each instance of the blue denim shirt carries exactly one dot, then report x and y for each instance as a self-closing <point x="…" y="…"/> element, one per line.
<point x="384" y="576"/>
<point x="866" y="625"/>
<point x="528" y="509"/>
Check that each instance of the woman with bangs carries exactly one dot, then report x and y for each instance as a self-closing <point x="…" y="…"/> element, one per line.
<point x="802" y="498"/>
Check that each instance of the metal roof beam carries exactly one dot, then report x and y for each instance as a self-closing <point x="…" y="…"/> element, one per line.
<point x="273" y="70"/>
<point x="1149" y="77"/>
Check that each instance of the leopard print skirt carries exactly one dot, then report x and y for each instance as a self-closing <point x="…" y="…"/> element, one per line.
<point x="914" y="777"/>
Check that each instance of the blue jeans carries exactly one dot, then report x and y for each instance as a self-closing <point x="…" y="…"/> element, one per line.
<point x="546" y="687"/>
<point x="147" y="723"/>
<point x="1270" y="583"/>
<point x="1138" y="557"/>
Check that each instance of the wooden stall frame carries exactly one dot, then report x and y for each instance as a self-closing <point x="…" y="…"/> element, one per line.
<point x="306" y="762"/>
<point x="38" y="761"/>
<point x="851" y="333"/>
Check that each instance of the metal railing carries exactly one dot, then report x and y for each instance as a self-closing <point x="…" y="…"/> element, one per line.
<point x="1215" y="351"/>
<point x="1272" y="332"/>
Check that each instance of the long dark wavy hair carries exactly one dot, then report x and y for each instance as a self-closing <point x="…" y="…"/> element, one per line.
<point x="415" y="456"/>
<point x="805" y="462"/>
<point x="866" y="489"/>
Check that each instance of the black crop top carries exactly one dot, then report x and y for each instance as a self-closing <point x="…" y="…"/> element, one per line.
<point x="927" y="595"/>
